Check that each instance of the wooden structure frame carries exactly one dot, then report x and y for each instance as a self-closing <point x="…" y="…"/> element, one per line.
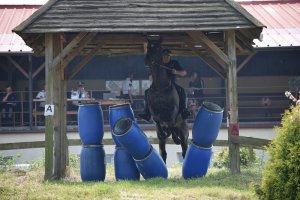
<point x="215" y="30"/>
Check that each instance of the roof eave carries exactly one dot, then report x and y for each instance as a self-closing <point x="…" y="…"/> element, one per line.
<point x="34" y="16"/>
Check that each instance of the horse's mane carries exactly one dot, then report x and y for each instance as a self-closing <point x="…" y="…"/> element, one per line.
<point x="153" y="60"/>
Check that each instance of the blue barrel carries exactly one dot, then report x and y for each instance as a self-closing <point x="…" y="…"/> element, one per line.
<point x="90" y="123"/>
<point x="207" y="124"/>
<point x="92" y="163"/>
<point x="132" y="138"/>
<point x="196" y="162"/>
<point x="117" y="112"/>
<point x="152" y="166"/>
<point x="125" y="167"/>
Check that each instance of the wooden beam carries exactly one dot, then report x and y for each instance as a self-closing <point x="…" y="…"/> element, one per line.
<point x="110" y="141"/>
<point x="256" y="143"/>
<point x="219" y="70"/>
<point x="232" y="104"/>
<point x="68" y="48"/>
<point x="76" y="51"/>
<point x="59" y="120"/>
<point x="49" y="100"/>
<point x="83" y="62"/>
<point x="18" y="66"/>
<point x="38" y="70"/>
<point x="214" y="50"/>
<point x="245" y="62"/>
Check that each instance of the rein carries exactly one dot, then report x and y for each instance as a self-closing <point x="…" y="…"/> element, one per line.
<point x="162" y="66"/>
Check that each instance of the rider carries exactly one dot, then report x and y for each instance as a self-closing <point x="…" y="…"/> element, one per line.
<point x="176" y="69"/>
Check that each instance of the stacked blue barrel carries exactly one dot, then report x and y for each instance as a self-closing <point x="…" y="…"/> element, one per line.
<point x="92" y="156"/>
<point x="134" y="140"/>
<point x="205" y="131"/>
<point x="125" y="167"/>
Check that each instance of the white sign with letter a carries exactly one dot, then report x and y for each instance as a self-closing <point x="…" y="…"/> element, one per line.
<point x="49" y="110"/>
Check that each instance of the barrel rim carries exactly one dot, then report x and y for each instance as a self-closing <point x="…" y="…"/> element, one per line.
<point x="92" y="145"/>
<point x="146" y="156"/>
<point x="127" y="128"/>
<point x="119" y="105"/>
<point x="201" y="147"/>
<point x="89" y="104"/>
<point x="208" y="109"/>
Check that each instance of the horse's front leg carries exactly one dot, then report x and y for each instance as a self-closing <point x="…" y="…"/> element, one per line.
<point x="184" y="135"/>
<point x="162" y="142"/>
<point x="162" y="150"/>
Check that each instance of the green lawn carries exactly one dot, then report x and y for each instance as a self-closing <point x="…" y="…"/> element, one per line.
<point x="218" y="184"/>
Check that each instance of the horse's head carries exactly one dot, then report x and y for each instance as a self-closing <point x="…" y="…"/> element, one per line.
<point x="154" y="53"/>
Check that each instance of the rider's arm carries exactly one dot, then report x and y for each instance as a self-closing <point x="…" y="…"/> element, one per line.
<point x="178" y="70"/>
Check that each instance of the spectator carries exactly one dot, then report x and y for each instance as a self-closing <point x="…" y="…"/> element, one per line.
<point x="197" y="85"/>
<point x="266" y="102"/>
<point x="80" y="93"/>
<point x="42" y="95"/>
<point x="8" y="104"/>
<point x="126" y="91"/>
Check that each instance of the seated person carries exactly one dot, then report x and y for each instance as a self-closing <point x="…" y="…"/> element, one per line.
<point x="80" y="93"/>
<point x="41" y="95"/>
<point x="176" y="70"/>
<point x="8" y="104"/>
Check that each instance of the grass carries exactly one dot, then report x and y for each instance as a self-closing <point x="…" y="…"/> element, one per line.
<point x="218" y="184"/>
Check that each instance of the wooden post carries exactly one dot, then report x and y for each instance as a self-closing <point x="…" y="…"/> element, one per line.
<point x="30" y="90"/>
<point x="232" y="102"/>
<point x="56" y="139"/>
<point x="49" y="100"/>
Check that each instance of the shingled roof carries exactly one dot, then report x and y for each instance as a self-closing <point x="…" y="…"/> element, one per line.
<point x="138" y="17"/>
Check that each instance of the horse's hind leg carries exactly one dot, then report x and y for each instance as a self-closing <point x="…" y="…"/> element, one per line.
<point x="162" y="142"/>
<point x="184" y="135"/>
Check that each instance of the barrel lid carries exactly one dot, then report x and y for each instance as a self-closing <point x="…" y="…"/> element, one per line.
<point x="212" y="107"/>
<point x="120" y="105"/>
<point x="89" y="103"/>
<point x="122" y="126"/>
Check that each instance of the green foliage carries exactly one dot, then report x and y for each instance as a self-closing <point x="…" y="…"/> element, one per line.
<point x="73" y="162"/>
<point x="247" y="157"/>
<point x="7" y="162"/>
<point x="281" y="177"/>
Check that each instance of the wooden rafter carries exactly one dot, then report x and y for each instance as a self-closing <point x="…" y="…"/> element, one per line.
<point x="71" y="73"/>
<point x="214" y="50"/>
<point x="38" y="70"/>
<point x="219" y="70"/>
<point x="245" y="62"/>
<point x="18" y="66"/>
<point x="68" y="48"/>
<point x="75" y="51"/>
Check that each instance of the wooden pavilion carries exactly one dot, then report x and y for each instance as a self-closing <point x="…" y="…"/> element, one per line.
<point x="215" y="30"/>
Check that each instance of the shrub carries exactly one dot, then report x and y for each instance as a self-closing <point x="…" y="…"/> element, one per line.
<point x="221" y="158"/>
<point x="7" y="162"/>
<point x="281" y="177"/>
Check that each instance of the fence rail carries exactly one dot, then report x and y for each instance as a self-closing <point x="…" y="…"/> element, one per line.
<point x="256" y="143"/>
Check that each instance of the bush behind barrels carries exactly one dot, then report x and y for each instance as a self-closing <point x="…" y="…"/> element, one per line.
<point x="281" y="177"/>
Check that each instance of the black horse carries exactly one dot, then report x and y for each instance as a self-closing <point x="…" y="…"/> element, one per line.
<point x="163" y="102"/>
